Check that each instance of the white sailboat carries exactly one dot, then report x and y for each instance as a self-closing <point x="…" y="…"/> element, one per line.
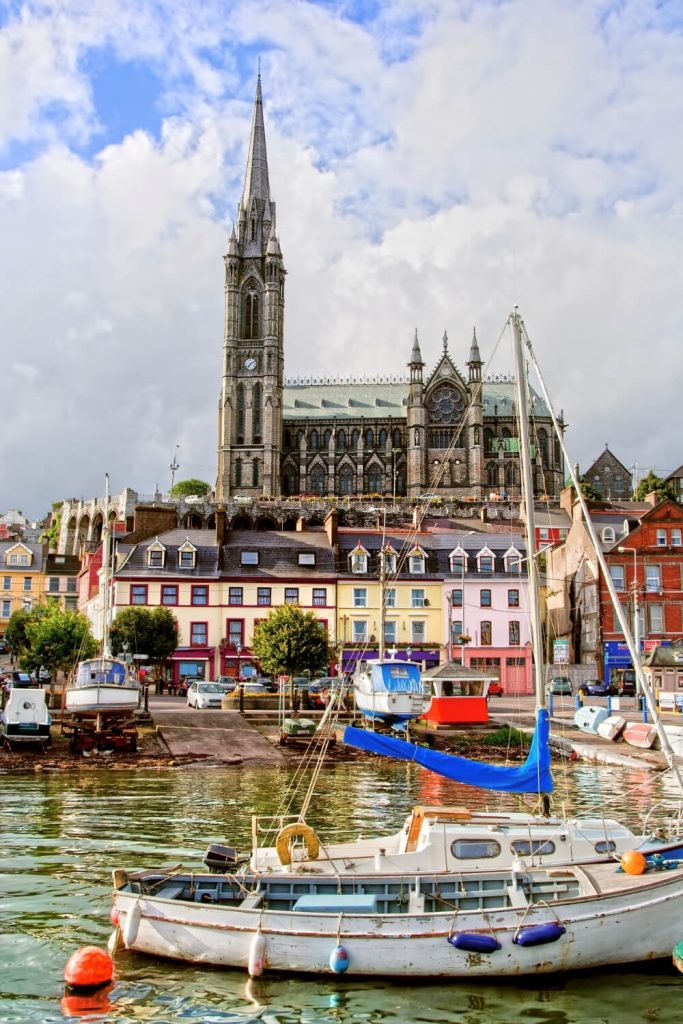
<point x="415" y="916"/>
<point x="103" y="684"/>
<point x="388" y="691"/>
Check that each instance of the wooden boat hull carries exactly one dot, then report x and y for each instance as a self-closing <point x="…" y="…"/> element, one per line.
<point x="612" y="727"/>
<point x="600" y="928"/>
<point x="640" y="735"/>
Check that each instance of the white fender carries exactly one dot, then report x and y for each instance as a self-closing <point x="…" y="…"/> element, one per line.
<point x="132" y="925"/>
<point x="115" y="942"/>
<point x="257" y="955"/>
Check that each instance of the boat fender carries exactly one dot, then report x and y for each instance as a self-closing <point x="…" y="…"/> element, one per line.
<point x="130" y="929"/>
<point x="115" y="942"/>
<point x="296" y="830"/>
<point x="539" y="934"/>
<point x="339" y="960"/>
<point x="257" y="955"/>
<point x="474" y="942"/>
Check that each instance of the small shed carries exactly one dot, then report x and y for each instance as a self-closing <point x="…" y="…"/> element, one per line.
<point x="459" y="694"/>
<point x="663" y="669"/>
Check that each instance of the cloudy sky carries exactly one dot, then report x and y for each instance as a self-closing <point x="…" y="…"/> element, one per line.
<point x="433" y="163"/>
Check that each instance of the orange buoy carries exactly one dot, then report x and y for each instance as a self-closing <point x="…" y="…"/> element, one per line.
<point x="89" y="967"/>
<point x="114" y="916"/>
<point x="633" y="862"/>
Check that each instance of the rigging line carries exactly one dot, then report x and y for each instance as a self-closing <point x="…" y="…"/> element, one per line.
<point x="635" y="655"/>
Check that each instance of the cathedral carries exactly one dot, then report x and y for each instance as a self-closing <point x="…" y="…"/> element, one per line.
<point x="444" y="432"/>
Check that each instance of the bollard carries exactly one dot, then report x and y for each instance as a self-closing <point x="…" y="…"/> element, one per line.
<point x="579" y="699"/>
<point x="241" y="689"/>
<point x="643" y="706"/>
<point x="609" y="704"/>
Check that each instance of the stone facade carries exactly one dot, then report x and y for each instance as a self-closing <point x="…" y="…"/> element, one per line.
<point x="449" y="434"/>
<point x="609" y="477"/>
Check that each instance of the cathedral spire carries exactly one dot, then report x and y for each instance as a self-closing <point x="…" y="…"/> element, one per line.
<point x="256" y="183"/>
<point x="416" y="355"/>
<point x="474" y="362"/>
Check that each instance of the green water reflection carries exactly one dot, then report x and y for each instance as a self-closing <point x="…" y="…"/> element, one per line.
<point x="63" y="833"/>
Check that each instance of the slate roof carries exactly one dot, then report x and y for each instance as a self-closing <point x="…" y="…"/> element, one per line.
<point x="36" y="549"/>
<point x="437" y="548"/>
<point x="351" y="401"/>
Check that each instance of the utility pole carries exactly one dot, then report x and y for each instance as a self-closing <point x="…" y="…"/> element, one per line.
<point x="174" y="466"/>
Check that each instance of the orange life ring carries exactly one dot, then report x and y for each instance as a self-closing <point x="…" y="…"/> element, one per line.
<point x="297" y="830"/>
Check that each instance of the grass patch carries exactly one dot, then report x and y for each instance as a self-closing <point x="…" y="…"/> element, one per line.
<point x="506" y="736"/>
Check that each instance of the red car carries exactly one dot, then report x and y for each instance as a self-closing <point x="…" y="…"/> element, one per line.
<point x="495" y="690"/>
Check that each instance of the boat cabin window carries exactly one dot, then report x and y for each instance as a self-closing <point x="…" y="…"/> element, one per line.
<point x="533" y="847"/>
<point x="472" y="849"/>
<point x="605" y="846"/>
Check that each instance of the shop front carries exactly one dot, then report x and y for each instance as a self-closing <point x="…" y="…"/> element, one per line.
<point x="511" y="666"/>
<point x="191" y="663"/>
<point x="354" y="658"/>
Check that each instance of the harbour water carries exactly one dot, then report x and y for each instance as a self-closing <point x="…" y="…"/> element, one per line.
<point x="62" y="833"/>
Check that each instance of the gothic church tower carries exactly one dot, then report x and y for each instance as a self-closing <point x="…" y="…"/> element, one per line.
<point x="250" y="410"/>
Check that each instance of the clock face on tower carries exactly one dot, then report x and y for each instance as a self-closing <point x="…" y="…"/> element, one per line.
<point x="250" y="363"/>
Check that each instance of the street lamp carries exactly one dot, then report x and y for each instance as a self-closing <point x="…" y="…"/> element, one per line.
<point x="636" y="610"/>
<point x="238" y="649"/>
<point x="463" y="562"/>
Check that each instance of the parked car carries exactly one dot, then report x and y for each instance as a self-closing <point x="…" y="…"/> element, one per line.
<point x="253" y="687"/>
<point x="226" y="683"/>
<point x="560" y="685"/>
<point x="204" y="695"/>
<point x="595" y="687"/>
<point x="623" y="683"/>
<point x="495" y="689"/>
<point x="3" y="647"/>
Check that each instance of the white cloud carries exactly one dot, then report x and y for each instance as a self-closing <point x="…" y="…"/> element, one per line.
<point x="427" y="173"/>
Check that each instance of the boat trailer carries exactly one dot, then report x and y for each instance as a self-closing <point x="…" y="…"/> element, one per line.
<point x="98" y="731"/>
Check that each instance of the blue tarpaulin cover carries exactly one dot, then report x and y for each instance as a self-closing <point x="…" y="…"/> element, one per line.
<point x="531" y="777"/>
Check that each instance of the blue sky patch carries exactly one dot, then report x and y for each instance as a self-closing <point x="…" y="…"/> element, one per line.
<point x="126" y="97"/>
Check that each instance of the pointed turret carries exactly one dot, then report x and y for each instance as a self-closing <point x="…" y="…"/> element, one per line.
<point x="233" y="248"/>
<point x="273" y="247"/>
<point x="256" y="183"/>
<point x="416" y="359"/>
<point x="474" y="362"/>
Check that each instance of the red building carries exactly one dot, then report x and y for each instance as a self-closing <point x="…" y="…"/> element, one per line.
<point x="647" y="571"/>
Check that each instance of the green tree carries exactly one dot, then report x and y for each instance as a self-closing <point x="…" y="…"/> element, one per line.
<point x="57" y="639"/>
<point x="587" y="489"/>
<point x="188" y="488"/>
<point x="153" y="632"/>
<point x="51" y="535"/>
<point x="15" y="633"/>
<point x="652" y="482"/>
<point x="290" y="642"/>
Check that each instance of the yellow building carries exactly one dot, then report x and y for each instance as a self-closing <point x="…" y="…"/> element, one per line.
<point x="23" y="580"/>
<point x="413" y="619"/>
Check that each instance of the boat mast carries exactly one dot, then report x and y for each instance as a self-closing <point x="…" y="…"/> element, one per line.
<point x="521" y="384"/>
<point x="636" y="660"/>
<point x="382" y="587"/>
<point x="106" y="555"/>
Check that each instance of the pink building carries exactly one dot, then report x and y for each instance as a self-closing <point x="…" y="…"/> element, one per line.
<point x="486" y="608"/>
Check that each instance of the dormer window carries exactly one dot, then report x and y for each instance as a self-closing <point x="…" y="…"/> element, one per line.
<point x="389" y="556"/>
<point x="485" y="561"/>
<point x="416" y="561"/>
<point x="458" y="560"/>
<point x="187" y="556"/>
<point x="608" y="536"/>
<point x="156" y="555"/>
<point x="306" y="558"/>
<point x="249" y="558"/>
<point x="513" y="561"/>
<point x="358" y="559"/>
<point x="18" y="555"/>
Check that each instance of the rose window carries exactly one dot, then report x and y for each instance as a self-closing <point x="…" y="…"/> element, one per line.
<point x="445" y="404"/>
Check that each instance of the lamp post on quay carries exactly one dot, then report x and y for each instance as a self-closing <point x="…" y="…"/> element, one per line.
<point x="463" y="564"/>
<point x="636" y="609"/>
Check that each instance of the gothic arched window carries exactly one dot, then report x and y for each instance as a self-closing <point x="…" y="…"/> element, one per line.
<point x="341" y="440"/>
<point x="375" y="480"/>
<point x="289" y="483"/>
<point x="313" y="440"/>
<point x="382" y="440"/>
<point x="346" y="480"/>
<point x="492" y="474"/>
<point x="396" y="439"/>
<point x="240" y="413"/>
<point x="287" y="439"/>
<point x="326" y="440"/>
<point x="251" y="312"/>
<point x="369" y="439"/>
<point x="256" y="413"/>
<point x="544" y="448"/>
<point x="355" y="438"/>
<point x="317" y="480"/>
<point x="488" y="440"/>
<point x="238" y="472"/>
<point x="254" y="472"/>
